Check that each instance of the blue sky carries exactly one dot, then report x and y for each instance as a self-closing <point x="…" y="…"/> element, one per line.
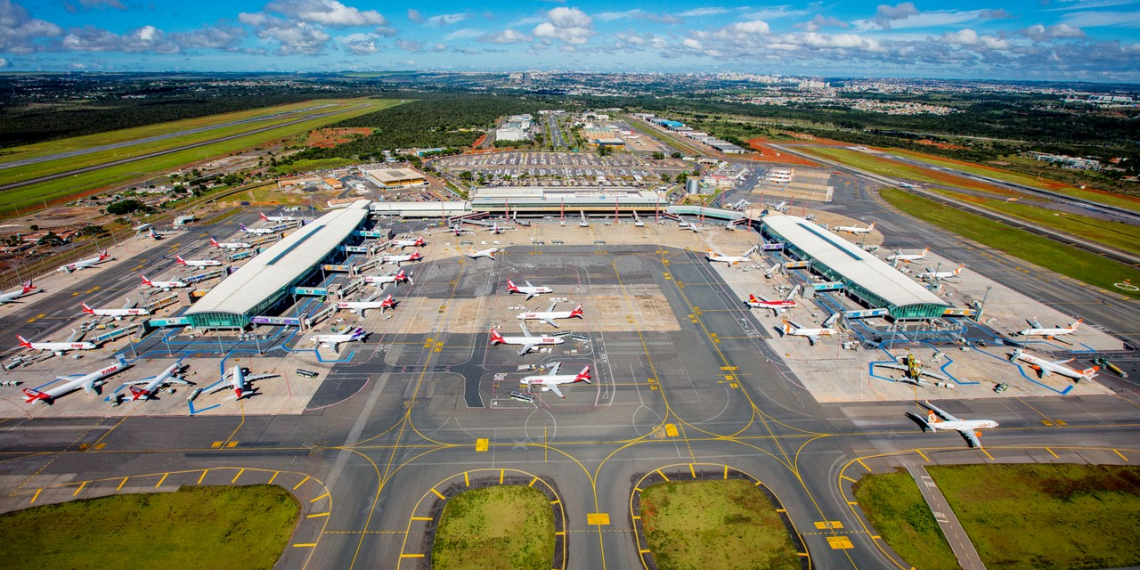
<point x="1087" y="40"/>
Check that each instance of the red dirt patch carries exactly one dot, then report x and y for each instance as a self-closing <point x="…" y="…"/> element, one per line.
<point x="768" y="154"/>
<point x="328" y="138"/>
<point x="479" y="141"/>
<point x="929" y="142"/>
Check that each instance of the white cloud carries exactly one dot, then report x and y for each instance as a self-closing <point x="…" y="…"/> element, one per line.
<point x="638" y="14"/>
<point x="210" y="37"/>
<point x="699" y="12"/>
<point x="302" y="38"/>
<point x="692" y="44"/>
<point x="415" y="15"/>
<point x="1106" y="18"/>
<point x="326" y="12"/>
<point x="144" y="39"/>
<point x="3" y="63"/>
<point x="19" y="31"/>
<point x="360" y="44"/>
<point x="774" y="13"/>
<point x="445" y="19"/>
<point x="101" y="3"/>
<point x="507" y="36"/>
<point x="410" y="45"/>
<point x="1041" y="33"/>
<point x="906" y="16"/>
<point x="463" y="34"/>
<point x="569" y="25"/>
<point x="821" y="21"/>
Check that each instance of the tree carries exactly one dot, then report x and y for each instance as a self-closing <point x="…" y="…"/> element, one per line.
<point x="123" y="207"/>
<point x="658" y="156"/>
<point x="34" y="228"/>
<point x="51" y="240"/>
<point x="676" y="155"/>
<point x="604" y="150"/>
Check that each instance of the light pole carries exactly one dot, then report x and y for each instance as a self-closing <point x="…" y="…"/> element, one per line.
<point x="982" y="307"/>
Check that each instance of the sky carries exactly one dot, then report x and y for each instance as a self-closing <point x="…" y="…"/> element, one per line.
<point x="1070" y="40"/>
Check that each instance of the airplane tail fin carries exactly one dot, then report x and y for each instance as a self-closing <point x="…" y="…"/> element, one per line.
<point x="147" y="281"/>
<point x="31" y="395"/>
<point x="24" y="342"/>
<point x="137" y="392"/>
<point x="922" y="422"/>
<point x="584" y="375"/>
<point x="958" y="271"/>
<point x="932" y="418"/>
<point x="924" y="252"/>
<point x="263" y="215"/>
<point x="28" y="286"/>
<point x="577" y="312"/>
<point x="787" y="327"/>
<point x="753" y="299"/>
<point x="87" y="309"/>
<point x="871" y="227"/>
<point x="511" y="286"/>
<point x="179" y="260"/>
<point x="215" y="243"/>
<point x="1076" y="324"/>
<point x="243" y="228"/>
<point x="103" y="254"/>
<point x="1089" y="372"/>
<point x="496" y="337"/>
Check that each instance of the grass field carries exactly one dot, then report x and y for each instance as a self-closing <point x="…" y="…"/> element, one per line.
<point x="714" y="525"/>
<point x="1046" y="516"/>
<point x="894" y="506"/>
<point x="196" y="527"/>
<point x="1064" y="259"/>
<point x="896" y="169"/>
<point x="318" y="164"/>
<point x="509" y="527"/>
<point x="1114" y="234"/>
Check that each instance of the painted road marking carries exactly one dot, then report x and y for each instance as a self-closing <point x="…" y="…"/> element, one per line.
<point x="160" y="481"/>
<point x="303" y="481"/>
<point x="840" y="543"/>
<point x="121" y="483"/>
<point x="271" y="479"/>
<point x="437" y="493"/>
<point x="305" y="545"/>
<point x="203" y="476"/>
<point x="828" y="524"/>
<point x="482" y="445"/>
<point x="316" y="515"/>
<point x="671" y="430"/>
<point x="598" y="519"/>
<point x="81" y="486"/>
<point x="236" y="476"/>
<point x="217" y="444"/>
<point x="35" y="496"/>
<point x="319" y="498"/>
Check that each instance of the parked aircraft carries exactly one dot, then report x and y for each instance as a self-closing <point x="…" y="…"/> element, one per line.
<point x="793" y="329"/>
<point x="550" y="381"/>
<point x="1036" y="329"/>
<point x="528" y="342"/>
<point x="684" y="225"/>
<point x="13" y="295"/>
<point x="1045" y="367"/>
<point x="334" y="341"/>
<point x="495" y="229"/>
<point x="153" y="234"/>
<point x="937" y="419"/>
<point x="398" y="259"/>
<point x="489" y="252"/>
<point x="381" y="280"/>
<point x="907" y="257"/>
<point x="714" y="256"/>
<point x="57" y="348"/>
<point x="931" y="275"/>
<point x="230" y="244"/>
<point x="85" y="263"/>
<point x="402" y="243"/>
<point x="781" y="207"/>
<point x="126" y="311"/>
<point x="257" y="231"/>
<point x="164" y="285"/>
<point x="855" y="229"/>
<point x="196" y="263"/>
<point x="550" y="314"/>
<point x="277" y="218"/>
<point x="458" y="230"/>
<point x="88" y="382"/>
<point x="240" y="383"/>
<point x="529" y="290"/>
<point x="152" y="384"/>
<point x="362" y="307"/>
<point x="776" y="305"/>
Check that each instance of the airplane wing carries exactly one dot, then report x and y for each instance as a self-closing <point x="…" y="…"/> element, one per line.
<point x="256" y="377"/>
<point x="526" y="348"/>
<point x="529" y="285"/>
<point x="812" y="339"/>
<point x="943" y="414"/>
<point x="550" y="322"/>
<point x="891" y="366"/>
<point x="971" y="438"/>
<point x="1034" y="323"/>
<point x="73" y="336"/>
<point x="522" y="326"/>
<point x="796" y="325"/>
<point x="221" y="386"/>
<point x="555" y="389"/>
<point x="146" y="380"/>
<point x="529" y="296"/>
<point x="554" y="369"/>
<point x="551" y="307"/>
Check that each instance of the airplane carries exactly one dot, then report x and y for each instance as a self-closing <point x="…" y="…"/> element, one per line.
<point x="900" y="256"/>
<point x="240" y="383"/>
<point x="529" y="290"/>
<point x="714" y="257"/>
<point x="164" y="285"/>
<point x="781" y="206"/>
<point x="74" y="382"/>
<point x="458" y="230"/>
<point x="154" y="234"/>
<point x="126" y="311"/>
<point x="684" y="225"/>
<point x="489" y="252"/>
<point x="333" y="341"/>
<point x="277" y="218"/>
<point x="418" y="242"/>
<point x="855" y="229"/>
<point x="257" y="231"/>
<point x="549" y="382"/>
<point x="940" y="275"/>
<point x="495" y="229"/>
<point x="528" y="342"/>
<point x="12" y="296"/>
<point x="551" y="314"/>
<point x="1036" y="329"/>
<point x="230" y="244"/>
<point x="937" y="419"/>
<point x="1045" y="367"/>
<point x="85" y="263"/>
<point x="776" y="305"/>
<point x="398" y="259"/>
<point x="153" y="383"/>
<point x="362" y="307"/>
<point x="196" y="263"/>
<point x="913" y="371"/>
<point x="793" y="329"/>
<point x="141" y="227"/>
<point x="381" y="280"/>
<point x="57" y="348"/>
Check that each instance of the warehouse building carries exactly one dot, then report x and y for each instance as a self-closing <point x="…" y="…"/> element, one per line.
<point x="385" y="176"/>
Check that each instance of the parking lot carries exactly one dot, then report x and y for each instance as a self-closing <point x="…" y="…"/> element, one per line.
<point x="564" y="169"/>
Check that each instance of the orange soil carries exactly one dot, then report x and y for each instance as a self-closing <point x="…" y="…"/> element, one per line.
<point x="767" y="154"/>
<point x="328" y="138"/>
<point x="478" y="141"/>
<point x="939" y="145"/>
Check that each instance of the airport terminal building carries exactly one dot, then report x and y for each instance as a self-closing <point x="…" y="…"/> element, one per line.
<point x="266" y="281"/>
<point x="865" y="277"/>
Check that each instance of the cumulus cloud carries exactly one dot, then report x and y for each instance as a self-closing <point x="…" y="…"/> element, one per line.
<point x="821" y="21"/>
<point x="445" y="20"/>
<point x="885" y="14"/>
<point x="415" y="16"/>
<point x="19" y="31"/>
<point x="3" y="63"/>
<point x="292" y="37"/>
<point x="906" y="16"/>
<point x="1040" y="33"/>
<point x="326" y="12"/>
<point x="91" y="4"/>
<point x="699" y="12"/>
<point x="359" y="44"/>
<point x="639" y="14"/>
<point x="774" y="13"/>
<point x="144" y="39"/>
<point x="463" y="34"/>
<point x="568" y="25"/>
<point x="507" y="36"/>
<point x="222" y="37"/>
<point x="410" y="45"/>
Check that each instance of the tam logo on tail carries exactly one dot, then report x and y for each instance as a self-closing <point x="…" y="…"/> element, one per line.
<point x="495" y="337"/>
<point x="87" y="309"/>
<point x="577" y="312"/>
<point x="584" y="375"/>
<point x="24" y="342"/>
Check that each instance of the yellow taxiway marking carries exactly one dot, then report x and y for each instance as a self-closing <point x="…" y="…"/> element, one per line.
<point x="1051" y="453"/>
<point x="847" y="478"/>
<point x="231" y="444"/>
<point x="316" y="515"/>
<point x="482" y="444"/>
<point x="598" y="519"/>
<point x="863" y="464"/>
<point x="821" y="525"/>
<point x="160" y="481"/>
<point x="840" y="543"/>
<point x="319" y="498"/>
<point x="466" y="480"/>
<point x="274" y="477"/>
<point x="35" y="496"/>
<point x="437" y="493"/>
<point x="81" y="486"/>
<point x="305" y="545"/>
<point x="1120" y="454"/>
<point x="671" y="430"/>
<point x="662" y="475"/>
<point x="203" y="475"/>
<point x="240" y="471"/>
<point x="217" y="444"/>
<point x="987" y="453"/>
<point x="924" y="457"/>
<point x="421" y="518"/>
<point x="420" y="555"/>
<point x="532" y="482"/>
<point x="303" y="481"/>
<point x="121" y="483"/>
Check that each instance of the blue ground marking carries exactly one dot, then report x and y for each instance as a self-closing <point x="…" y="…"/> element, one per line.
<point x="871" y="370"/>
<point x="1021" y="370"/>
<point x="195" y="410"/>
<point x="950" y="361"/>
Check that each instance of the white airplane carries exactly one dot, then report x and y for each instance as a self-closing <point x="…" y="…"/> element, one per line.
<point x="164" y="285"/>
<point x="141" y="227"/>
<point x="230" y="244"/>
<point x="57" y="347"/>
<point x="381" y="280"/>
<point x="398" y="259"/>
<point x="73" y="382"/>
<point x="126" y="311"/>
<point x="153" y="383"/>
<point x="714" y="257"/>
<point x="362" y="307"/>
<point x="937" y="419"/>
<point x="495" y="229"/>
<point x="154" y="234"/>
<point x="333" y="341"/>
<point x="550" y="381"/>
<point x="776" y="305"/>
<point x="240" y="383"/>
<point x="1037" y="330"/>
<point x="196" y="263"/>
<point x="688" y="226"/>
<point x="855" y="229"/>
<point x="257" y="231"/>
<point x="402" y="243"/>
<point x="907" y="257"/>
<point x="489" y="252"/>
<point x="781" y="206"/>
<point x="793" y="329"/>
<point x="931" y="275"/>
<point x="458" y="230"/>
<point x="551" y="314"/>
<point x="1045" y="367"/>
<point x="12" y="296"/>
<point x="529" y="290"/>
<point x="85" y="263"/>
<point x="277" y="218"/>
<point x="528" y="342"/>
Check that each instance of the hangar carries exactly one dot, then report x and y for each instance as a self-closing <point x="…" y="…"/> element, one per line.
<point x="265" y="281"/>
<point x="866" y="277"/>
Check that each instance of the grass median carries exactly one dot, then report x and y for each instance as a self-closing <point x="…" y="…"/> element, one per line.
<point x="196" y="527"/>
<point x="508" y="527"/>
<point x="893" y="505"/>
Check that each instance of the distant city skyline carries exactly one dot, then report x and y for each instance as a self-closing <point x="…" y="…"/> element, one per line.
<point x="1048" y="40"/>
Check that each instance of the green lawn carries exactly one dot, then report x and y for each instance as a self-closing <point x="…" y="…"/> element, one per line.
<point x="1064" y="259"/>
<point x="896" y="169"/>
<point x="508" y="527"/>
<point x="1046" y="516"/>
<point x="714" y="525"/>
<point x="314" y="164"/>
<point x="196" y="527"/>
<point x="894" y="506"/>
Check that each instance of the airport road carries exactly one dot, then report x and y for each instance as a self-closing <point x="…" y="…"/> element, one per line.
<point x="388" y="428"/>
